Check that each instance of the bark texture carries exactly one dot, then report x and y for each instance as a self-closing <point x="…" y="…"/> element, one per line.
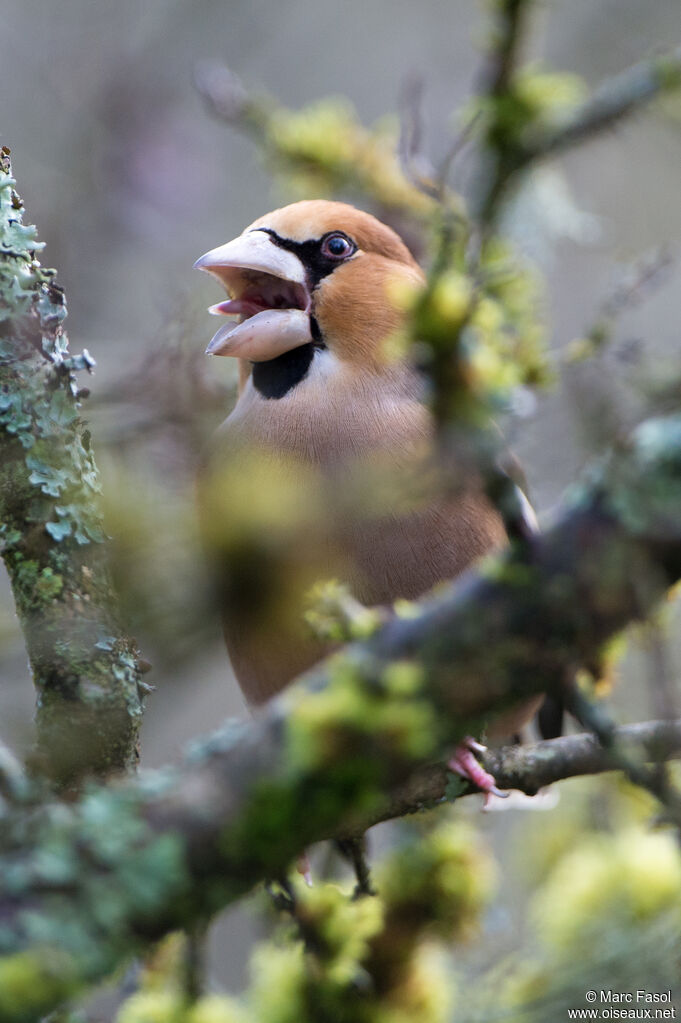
<point x="53" y="542"/>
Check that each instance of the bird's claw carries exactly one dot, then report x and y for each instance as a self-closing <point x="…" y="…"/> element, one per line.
<point x="499" y="793"/>
<point x="464" y="763"/>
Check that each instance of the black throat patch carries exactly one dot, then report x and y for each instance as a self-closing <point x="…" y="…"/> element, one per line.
<point x="276" y="377"/>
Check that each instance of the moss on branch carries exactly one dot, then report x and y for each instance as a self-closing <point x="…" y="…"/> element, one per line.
<point x="53" y="542"/>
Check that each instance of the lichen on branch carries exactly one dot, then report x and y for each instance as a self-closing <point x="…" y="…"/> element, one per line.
<point x="333" y="752"/>
<point x="53" y="540"/>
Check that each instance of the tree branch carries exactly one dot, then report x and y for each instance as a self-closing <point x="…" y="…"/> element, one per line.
<point x="327" y="756"/>
<point x="511" y="147"/>
<point x="616" y="98"/>
<point x="53" y="543"/>
<point x="530" y="768"/>
<point x="507" y="37"/>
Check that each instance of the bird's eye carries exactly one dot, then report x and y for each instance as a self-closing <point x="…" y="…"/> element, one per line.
<point x="337" y="246"/>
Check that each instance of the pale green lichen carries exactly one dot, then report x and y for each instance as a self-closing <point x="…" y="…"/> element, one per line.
<point x="335" y="616"/>
<point x="392" y="710"/>
<point x="324" y="148"/>
<point x="44" y="415"/>
<point x="444" y="881"/>
<point x="340" y="744"/>
<point x="480" y="337"/>
<point x="52" y="526"/>
<point x="101" y="873"/>
<point x="534" y="101"/>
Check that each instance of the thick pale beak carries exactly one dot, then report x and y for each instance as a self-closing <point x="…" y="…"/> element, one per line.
<point x="269" y="293"/>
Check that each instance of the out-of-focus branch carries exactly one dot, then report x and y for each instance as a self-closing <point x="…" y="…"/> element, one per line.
<point x="514" y="142"/>
<point x="507" y="36"/>
<point x="616" y="98"/>
<point x="53" y="543"/>
<point x="328" y="755"/>
<point x="415" y="165"/>
<point x="226" y="98"/>
<point x="497" y="153"/>
<point x="654" y="779"/>
<point x="634" y="287"/>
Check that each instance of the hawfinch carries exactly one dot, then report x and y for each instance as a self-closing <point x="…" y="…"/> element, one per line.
<point x="328" y="407"/>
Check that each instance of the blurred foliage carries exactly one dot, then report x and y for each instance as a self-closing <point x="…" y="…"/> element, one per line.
<point x="406" y="724"/>
<point x="152" y="426"/>
<point x="480" y="335"/>
<point x="605" y="914"/>
<point x="374" y="959"/>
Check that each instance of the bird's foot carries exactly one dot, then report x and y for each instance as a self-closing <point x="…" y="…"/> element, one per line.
<point x="464" y="763"/>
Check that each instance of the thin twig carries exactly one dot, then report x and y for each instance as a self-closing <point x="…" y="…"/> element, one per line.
<point x="415" y="165"/>
<point x="226" y="96"/>
<point x="458" y="144"/>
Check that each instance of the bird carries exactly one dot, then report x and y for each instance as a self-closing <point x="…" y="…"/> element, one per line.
<point x="329" y="404"/>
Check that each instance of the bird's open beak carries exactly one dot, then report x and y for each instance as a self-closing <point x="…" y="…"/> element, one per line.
<point x="268" y="291"/>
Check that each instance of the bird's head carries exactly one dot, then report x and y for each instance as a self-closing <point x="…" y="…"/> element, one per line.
<point x="311" y="276"/>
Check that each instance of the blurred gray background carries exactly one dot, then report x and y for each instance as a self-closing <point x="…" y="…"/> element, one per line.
<point x="129" y="180"/>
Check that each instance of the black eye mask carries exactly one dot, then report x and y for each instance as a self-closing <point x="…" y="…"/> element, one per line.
<point x="317" y="264"/>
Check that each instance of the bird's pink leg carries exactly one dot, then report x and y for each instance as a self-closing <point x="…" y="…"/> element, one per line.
<point x="464" y="763"/>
